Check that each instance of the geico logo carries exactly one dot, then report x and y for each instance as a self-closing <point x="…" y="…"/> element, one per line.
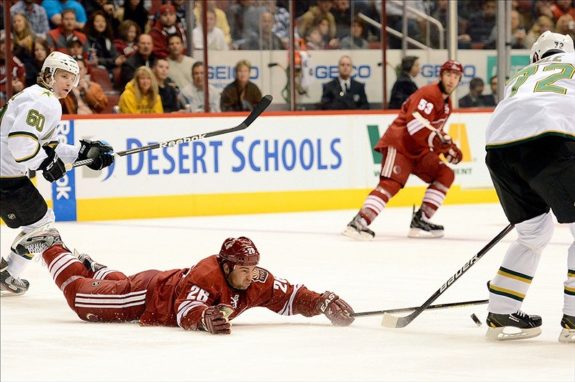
<point x="432" y="71"/>
<point x="225" y="72"/>
<point x="63" y="188"/>
<point x="332" y="71"/>
<point x="257" y="156"/>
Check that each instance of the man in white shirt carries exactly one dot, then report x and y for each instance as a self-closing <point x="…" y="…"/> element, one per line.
<point x="180" y="64"/>
<point x="193" y="94"/>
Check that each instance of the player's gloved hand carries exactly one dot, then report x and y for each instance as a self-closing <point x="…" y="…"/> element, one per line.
<point x="52" y="167"/>
<point x="453" y="155"/>
<point x="439" y="142"/>
<point x="338" y="311"/>
<point x="101" y="152"/>
<point x="214" y="321"/>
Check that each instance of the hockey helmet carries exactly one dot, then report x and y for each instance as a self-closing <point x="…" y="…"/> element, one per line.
<point x="59" y="60"/>
<point x="241" y="251"/>
<point x="550" y="42"/>
<point x="452" y="65"/>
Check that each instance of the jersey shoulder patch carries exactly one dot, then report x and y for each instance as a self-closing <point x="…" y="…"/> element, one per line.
<point x="260" y="275"/>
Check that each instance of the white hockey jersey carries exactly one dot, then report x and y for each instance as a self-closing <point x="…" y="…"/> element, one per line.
<point x="27" y="122"/>
<point x="539" y="100"/>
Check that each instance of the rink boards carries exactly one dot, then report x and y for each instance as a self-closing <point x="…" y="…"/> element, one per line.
<point x="281" y="163"/>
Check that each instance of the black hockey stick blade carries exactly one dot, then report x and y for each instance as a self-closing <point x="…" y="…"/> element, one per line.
<point x="391" y="321"/>
<point x="436" y="306"/>
<point x="255" y="113"/>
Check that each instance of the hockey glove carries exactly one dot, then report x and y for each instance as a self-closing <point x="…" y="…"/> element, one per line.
<point x="214" y="321"/>
<point x="336" y="310"/>
<point x="453" y="155"/>
<point x="52" y="167"/>
<point x="101" y="152"/>
<point x="439" y="142"/>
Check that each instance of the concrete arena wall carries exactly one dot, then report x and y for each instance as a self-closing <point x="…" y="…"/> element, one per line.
<point x="284" y="162"/>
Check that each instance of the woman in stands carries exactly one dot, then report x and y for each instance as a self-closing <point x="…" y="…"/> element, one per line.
<point x="100" y="37"/>
<point x="141" y="95"/>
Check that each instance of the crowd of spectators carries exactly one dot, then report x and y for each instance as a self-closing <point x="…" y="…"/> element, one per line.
<point x="114" y="38"/>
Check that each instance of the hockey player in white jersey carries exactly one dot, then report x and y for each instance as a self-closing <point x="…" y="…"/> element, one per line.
<point x="531" y="159"/>
<point x="27" y="142"/>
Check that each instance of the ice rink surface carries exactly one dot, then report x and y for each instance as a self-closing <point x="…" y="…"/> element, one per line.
<point x="43" y="340"/>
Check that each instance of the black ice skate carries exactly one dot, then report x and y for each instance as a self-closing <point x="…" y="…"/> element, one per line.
<point x="513" y="326"/>
<point x="88" y="262"/>
<point x="568" y="333"/>
<point x="357" y="229"/>
<point x="10" y="285"/>
<point x="420" y="227"/>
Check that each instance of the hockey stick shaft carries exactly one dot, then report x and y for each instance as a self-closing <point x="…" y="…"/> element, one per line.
<point x="436" y="306"/>
<point x="392" y="321"/>
<point x="255" y="113"/>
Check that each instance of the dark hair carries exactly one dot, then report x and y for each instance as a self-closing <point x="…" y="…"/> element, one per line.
<point x="196" y="64"/>
<point x="125" y="27"/>
<point x="475" y="82"/>
<point x="407" y="63"/>
<point x="90" y="30"/>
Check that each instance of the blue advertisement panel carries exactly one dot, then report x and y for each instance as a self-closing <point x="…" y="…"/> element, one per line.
<point x="64" y="189"/>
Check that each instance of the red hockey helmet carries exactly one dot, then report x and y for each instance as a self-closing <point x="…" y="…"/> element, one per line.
<point x="241" y="251"/>
<point x="452" y="65"/>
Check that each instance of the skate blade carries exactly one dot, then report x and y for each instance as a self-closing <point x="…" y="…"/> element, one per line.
<point x="353" y="234"/>
<point x="567" y="336"/>
<point x="508" y="333"/>
<point x="416" y="233"/>
<point x="7" y="292"/>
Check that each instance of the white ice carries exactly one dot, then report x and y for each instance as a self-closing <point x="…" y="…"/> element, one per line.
<point x="43" y="340"/>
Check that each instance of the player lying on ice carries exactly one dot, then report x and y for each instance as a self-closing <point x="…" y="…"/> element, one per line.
<point x="204" y="297"/>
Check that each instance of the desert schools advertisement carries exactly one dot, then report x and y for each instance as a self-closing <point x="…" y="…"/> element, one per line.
<point x="294" y="163"/>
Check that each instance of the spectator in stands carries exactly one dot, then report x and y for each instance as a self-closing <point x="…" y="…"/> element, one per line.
<point x="18" y="75"/>
<point x="216" y="38"/>
<point x="221" y="20"/>
<point x="134" y="10"/>
<point x="242" y="94"/>
<point x="192" y="95"/>
<point x="23" y="38"/>
<point x="542" y="24"/>
<point x="343" y="92"/>
<point x="141" y="95"/>
<point x="180" y="64"/>
<point x="475" y="96"/>
<point x="143" y="57"/>
<point x="167" y="89"/>
<point x="55" y="12"/>
<point x="314" y="16"/>
<point x="281" y="21"/>
<point x="404" y="86"/>
<point x="481" y="24"/>
<point x="181" y="16"/>
<point x="314" y="39"/>
<point x="341" y="12"/>
<point x="75" y="48"/>
<point x="128" y="35"/>
<point x="518" y="33"/>
<point x="108" y="9"/>
<point x="87" y="98"/>
<point x="236" y="17"/>
<point x="324" y="30"/>
<point x="265" y="39"/>
<point x="490" y="100"/>
<point x="566" y="25"/>
<point x="164" y="28"/>
<point x="415" y="25"/>
<point x="59" y="37"/>
<point x="41" y="51"/>
<point x="100" y="38"/>
<point x="34" y="13"/>
<point x="355" y="40"/>
<point x="562" y="7"/>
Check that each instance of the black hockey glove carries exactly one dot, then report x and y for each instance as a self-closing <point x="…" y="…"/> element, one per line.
<point x="52" y="167"/>
<point x="101" y="152"/>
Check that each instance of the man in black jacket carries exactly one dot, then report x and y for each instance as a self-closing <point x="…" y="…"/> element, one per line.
<point x="404" y="86"/>
<point x="343" y="92"/>
<point x="143" y="57"/>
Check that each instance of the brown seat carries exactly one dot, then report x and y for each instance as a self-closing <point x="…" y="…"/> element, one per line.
<point x="101" y="76"/>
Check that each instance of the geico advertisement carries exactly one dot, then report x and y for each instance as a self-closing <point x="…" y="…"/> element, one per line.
<point x="274" y="154"/>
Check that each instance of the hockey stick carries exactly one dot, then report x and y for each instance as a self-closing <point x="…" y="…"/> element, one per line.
<point x="391" y="321"/>
<point x="436" y="306"/>
<point x="256" y="112"/>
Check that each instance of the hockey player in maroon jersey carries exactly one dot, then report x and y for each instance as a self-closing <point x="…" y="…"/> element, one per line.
<point x="204" y="297"/>
<point x="413" y="144"/>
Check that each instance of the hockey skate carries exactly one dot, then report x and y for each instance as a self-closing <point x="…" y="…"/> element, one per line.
<point x="420" y="227"/>
<point x="36" y="241"/>
<point x="10" y="285"/>
<point x="357" y="229"/>
<point x="568" y="333"/>
<point x="513" y="326"/>
<point x="88" y="262"/>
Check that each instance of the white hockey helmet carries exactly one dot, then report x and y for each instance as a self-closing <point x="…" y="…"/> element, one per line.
<point x="59" y="60"/>
<point x="551" y="41"/>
